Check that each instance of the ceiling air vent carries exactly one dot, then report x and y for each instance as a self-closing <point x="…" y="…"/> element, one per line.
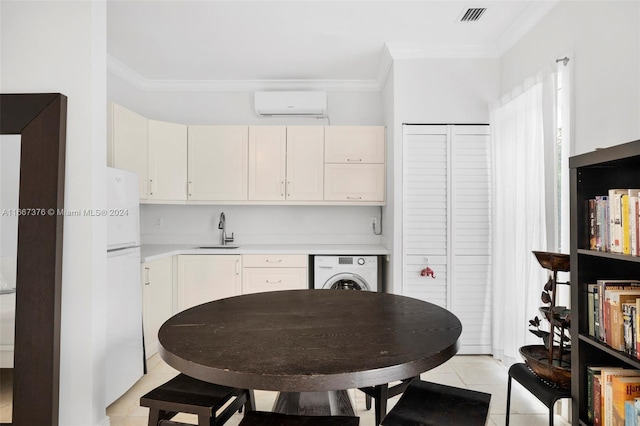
<point x="472" y="14"/>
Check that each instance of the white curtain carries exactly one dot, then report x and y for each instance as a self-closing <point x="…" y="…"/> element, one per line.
<point x="519" y="216"/>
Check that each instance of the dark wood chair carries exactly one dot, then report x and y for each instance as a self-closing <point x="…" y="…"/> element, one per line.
<point x="432" y="404"/>
<point x="381" y="394"/>
<point x="546" y="392"/>
<point x="261" y="418"/>
<point x="184" y="394"/>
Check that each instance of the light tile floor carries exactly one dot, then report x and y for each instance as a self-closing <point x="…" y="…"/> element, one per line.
<point x="481" y="373"/>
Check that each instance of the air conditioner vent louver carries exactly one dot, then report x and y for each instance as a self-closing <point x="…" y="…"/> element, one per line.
<point x="473" y="14"/>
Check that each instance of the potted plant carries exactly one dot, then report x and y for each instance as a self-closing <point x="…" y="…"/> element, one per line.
<point x="552" y="360"/>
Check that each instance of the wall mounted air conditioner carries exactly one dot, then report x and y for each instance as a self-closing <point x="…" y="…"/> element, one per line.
<point x="307" y="104"/>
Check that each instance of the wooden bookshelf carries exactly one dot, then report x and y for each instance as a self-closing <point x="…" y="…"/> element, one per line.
<point x="594" y="174"/>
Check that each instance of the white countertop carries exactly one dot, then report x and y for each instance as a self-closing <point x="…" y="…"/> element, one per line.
<point x="150" y="252"/>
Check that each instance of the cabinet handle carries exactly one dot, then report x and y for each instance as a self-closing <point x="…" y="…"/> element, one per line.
<point x="189" y="188"/>
<point x="151" y="186"/>
<point x="274" y="261"/>
<point x="288" y="189"/>
<point x="355" y="160"/>
<point x="354" y="198"/>
<point x="147" y="275"/>
<point x="273" y="282"/>
<point x="282" y="188"/>
<point x="237" y="267"/>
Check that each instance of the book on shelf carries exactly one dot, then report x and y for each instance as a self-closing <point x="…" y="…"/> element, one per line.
<point x="593" y="382"/>
<point x="637" y="328"/>
<point x="634" y="221"/>
<point x="613" y="222"/>
<point x="626" y="235"/>
<point x="615" y="219"/>
<point x="629" y="317"/>
<point x="602" y="223"/>
<point x="591" y="212"/>
<point x="630" y="416"/>
<point x="606" y="384"/>
<point x="591" y="308"/>
<point x="597" y="399"/>
<point x="614" y="324"/>
<point x="623" y="389"/>
<point x="604" y="288"/>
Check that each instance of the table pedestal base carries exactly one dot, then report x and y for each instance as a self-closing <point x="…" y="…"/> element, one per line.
<point x="331" y="403"/>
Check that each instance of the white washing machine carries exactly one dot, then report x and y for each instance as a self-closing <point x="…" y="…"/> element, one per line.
<point x="346" y="272"/>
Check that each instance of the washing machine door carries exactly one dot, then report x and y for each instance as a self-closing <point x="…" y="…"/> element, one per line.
<point x="346" y="281"/>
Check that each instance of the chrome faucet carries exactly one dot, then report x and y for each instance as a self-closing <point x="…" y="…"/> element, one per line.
<point x="222" y="225"/>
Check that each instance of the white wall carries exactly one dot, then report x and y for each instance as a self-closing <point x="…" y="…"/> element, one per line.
<point x="445" y="91"/>
<point x="435" y="91"/>
<point x="61" y="47"/>
<point x="256" y="224"/>
<point x="602" y="39"/>
<point x="390" y="210"/>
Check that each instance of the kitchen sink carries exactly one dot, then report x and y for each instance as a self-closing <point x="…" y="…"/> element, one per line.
<point x="218" y="247"/>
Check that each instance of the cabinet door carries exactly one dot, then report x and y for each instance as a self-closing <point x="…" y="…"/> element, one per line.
<point x="218" y="162"/>
<point x="305" y="163"/>
<point x="167" y="161"/>
<point x="354" y="144"/>
<point x="127" y="141"/>
<point x="267" y="162"/>
<point x="157" y="300"/>
<point x="354" y="182"/>
<point x="203" y="278"/>
<point x="257" y="280"/>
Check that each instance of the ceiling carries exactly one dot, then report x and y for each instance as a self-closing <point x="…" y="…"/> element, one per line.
<point x="334" y="45"/>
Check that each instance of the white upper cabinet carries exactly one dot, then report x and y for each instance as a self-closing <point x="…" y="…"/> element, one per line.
<point x="354" y="164"/>
<point x="218" y="163"/>
<point x="249" y="164"/>
<point x="305" y="163"/>
<point x="286" y="163"/>
<point x="354" y="144"/>
<point x="354" y="182"/>
<point x="127" y="143"/>
<point x="167" y="161"/>
<point x="267" y="162"/>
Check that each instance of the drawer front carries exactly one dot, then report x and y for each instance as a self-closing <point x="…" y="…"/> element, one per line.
<point x="275" y="261"/>
<point x="257" y="280"/>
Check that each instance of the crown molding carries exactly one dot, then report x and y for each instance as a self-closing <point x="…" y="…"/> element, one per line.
<point x="533" y="13"/>
<point x="122" y="71"/>
<point x="421" y="51"/>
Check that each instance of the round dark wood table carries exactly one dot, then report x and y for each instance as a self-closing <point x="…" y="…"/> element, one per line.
<point x="304" y="343"/>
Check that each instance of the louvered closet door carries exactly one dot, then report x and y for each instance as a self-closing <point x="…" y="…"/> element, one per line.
<point x="425" y="212"/>
<point x="446" y="212"/>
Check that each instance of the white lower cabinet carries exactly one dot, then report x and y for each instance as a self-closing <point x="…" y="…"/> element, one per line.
<point x="274" y="272"/>
<point x="203" y="278"/>
<point x="157" y="300"/>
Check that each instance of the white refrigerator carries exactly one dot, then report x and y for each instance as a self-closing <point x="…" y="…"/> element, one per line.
<point x="125" y="354"/>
